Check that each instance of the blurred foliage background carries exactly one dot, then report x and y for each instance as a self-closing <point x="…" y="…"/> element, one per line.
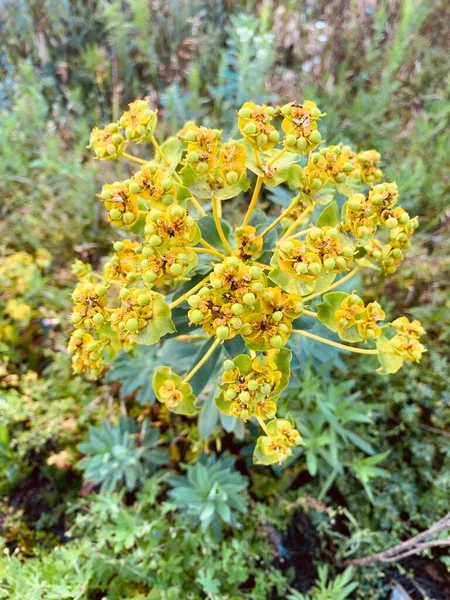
<point x="380" y="71"/>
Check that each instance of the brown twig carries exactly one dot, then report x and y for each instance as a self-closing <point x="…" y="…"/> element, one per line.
<point x="407" y="548"/>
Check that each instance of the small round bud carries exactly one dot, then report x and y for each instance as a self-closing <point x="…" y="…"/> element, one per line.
<point x="301" y="268"/>
<point x="277" y="316"/>
<point x="256" y="272"/>
<point x="237" y="309"/>
<point x="218" y="269"/>
<point x="236" y="323"/>
<point x="286" y="246"/>
<point x="341" y="177"/>
<point x="128" y="218"/>
<point x="249" y="298"/>
<point x="290" y="139"/>
<point x="340" y="262"/>
<point x="76" y="318"/>
<point x="391" y="223"/>
<point x="232" y="262"/>
<point x="143" y="299"/>
<point x="167" y="184"/>
<point x="230" y="394"/>
<point x="155" y="241"/>
<point x="266" y="389"/>
<point x="191" y="137"/>
<point x="155" y="214"/>
<point x="245" y="113"/>
<point x="250" y="128"/>
<point x="343" y="322"/>
<point x="118" y="246"/>
<point x="203" y="291"/>
<point x="150" y="276"/>
<point x="314" y="269"/>
<point x="283" y="328"/>
<point x="222" y="332"/>
<point x="257" y="287"/>
<point x="286" y="109"/>
<point x="329" y="264"/>
<point x="354" y="204"/>
<point x="148" y="251"/>
<point x="316" y="183"/>
<point x="252" y="385"/>
<point x="348" y="167"/>
<point x="115" y="214"/>
<point x="276" y="341"/>
<point x="196" y="316"/>
<point x="261" y="140"/>
<point x="333" y="233"/>
<point x="315" y="233"/>
<point x="193" y="157"/>
<point x="232" y="177"/>
<point x="315" y="113"/>
<point x="314" y="137"/>
<point x="302" y="144"/>
<point x="98" y="319"/>
<point x="229" y="365"/>
<point x="177" y="211"/>
<point x="134" y="188"/>
<point x="202" y="167"/>
<point x="132" y="325"/>
<point x="100" y="290"/>
<point x="274" y="137"/>
<point x="376" y="199"/>
<point x="194" y="300"/>
<point x="176" y="269"/>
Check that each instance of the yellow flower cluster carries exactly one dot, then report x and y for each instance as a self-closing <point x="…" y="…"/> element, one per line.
<point x="243" y="285"/>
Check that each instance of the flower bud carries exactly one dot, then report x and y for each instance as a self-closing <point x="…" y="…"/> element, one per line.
<point x="167" y="184"/>
<point x="232" y="262"/>
<point x="314" y="269"/>
<point x="230" y="394"/>
<point x="100" y="289"/>
<point x="222" y="332"/>
<point x="232" y="177"/>
<point x="266" y="389"/>
<point x="274" y="137"/>
<point x="276" y="341"/>
<point x="341" y="177"/>
<point x="132" y="324"/>
<point x="302" y="144"/>
<point x="202" y="167"/>
<point x="98" y="319"/>
<point x="155" y="241"/>
<point x="167" y="199"/>
<point x="193" y="157"/>
<point x="155" y="214"/>
<point x="194" y="300"/>
<point x="237" y="309"/>
<point x="143" y="299"/>
<point x="128" y="218"/>
<point x="115" y="214"/>
<point x="252" y="385"/>
<point x="329" y="264"/>
<point x="244" y="396"/>
<point x="391" y="223"/>
<point x="76" y="318"/>
<point x="286" y="109"/>
<point x="290" y="139"/>
<point x="191" y="137"/>
<point x="314" y="137"/>
<point x="196" y="316"/>
<point x="286" y="246"/>
<point x="277" y="316"/>
<point x="250" y="128"/>
<point x="150" y="276"/>
<point x="249" y="298"/>
<point x="316" y="183"/>
<point x="228" y="365"/>
<point x="354" y="204"/>
<point x="245" y="113"/>
<point x="176" y="269"/>
<point x="262" y="139"/>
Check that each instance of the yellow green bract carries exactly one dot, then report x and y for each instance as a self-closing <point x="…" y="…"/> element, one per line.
<point x="244" y="284"/>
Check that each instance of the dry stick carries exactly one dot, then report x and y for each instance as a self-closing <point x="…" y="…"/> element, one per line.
<point x="216" y="216"/>
<point x="408" y="547"/>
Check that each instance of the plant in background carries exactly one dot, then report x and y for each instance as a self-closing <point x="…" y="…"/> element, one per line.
<point x="336" y="589"/>
<point x="211" y="493"/>
<point x="121" y="454"/>
<point x="245" y="286"/>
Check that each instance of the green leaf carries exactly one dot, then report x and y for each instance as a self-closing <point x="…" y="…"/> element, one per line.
<point x="328" y="307"/>
<point x="173" y="149"/>
<point x="201" y="187"/>
<point x="294" y="177"/>
<point x="209" y="232"/>
<point x="390" y="362"/>
<point x="279" y="170"/>
<point x="159" y="325"/>
<point x="329" y="216"/>
<point x="187" y="405"/>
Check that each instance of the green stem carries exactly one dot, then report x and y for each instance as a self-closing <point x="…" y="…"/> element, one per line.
<point x="202" y="361"/>
<point x="317" y="338"/>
